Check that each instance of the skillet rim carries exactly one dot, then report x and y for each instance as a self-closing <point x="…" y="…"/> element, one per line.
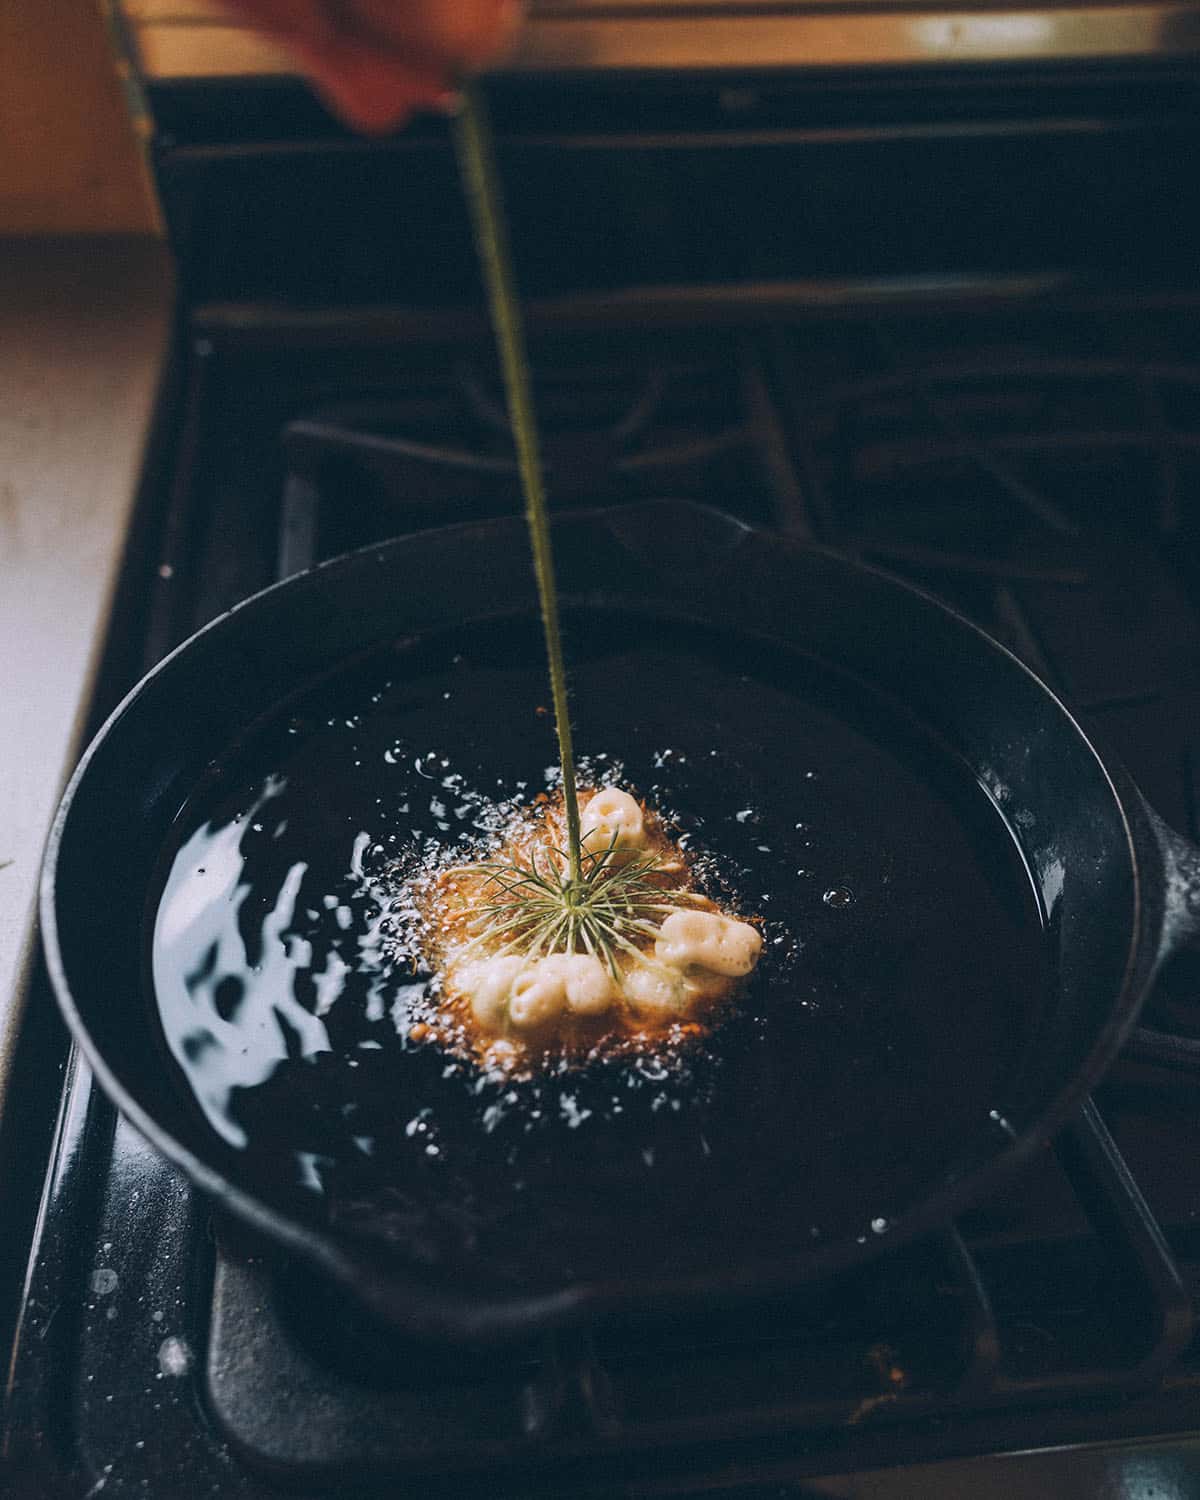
<point x="419" y="1308"/>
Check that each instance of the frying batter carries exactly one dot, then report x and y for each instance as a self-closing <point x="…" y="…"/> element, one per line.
<point x="530" y="958"/>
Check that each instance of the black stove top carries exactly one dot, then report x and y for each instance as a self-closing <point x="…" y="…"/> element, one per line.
<point x="1036" y="470"/>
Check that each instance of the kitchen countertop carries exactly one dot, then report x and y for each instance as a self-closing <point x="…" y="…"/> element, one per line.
<point x="84" y="328"/>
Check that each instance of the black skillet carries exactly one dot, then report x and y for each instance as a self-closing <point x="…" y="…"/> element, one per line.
<point x="971" y="902"/>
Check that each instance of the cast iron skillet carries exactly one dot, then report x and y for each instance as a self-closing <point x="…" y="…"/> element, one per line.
<point x="1119" y="893"/>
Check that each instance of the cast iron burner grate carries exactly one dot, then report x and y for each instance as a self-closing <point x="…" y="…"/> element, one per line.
<point x="916" y="1335"/>
<point x="154" y="1353"/>
<point x="682" y="427"/>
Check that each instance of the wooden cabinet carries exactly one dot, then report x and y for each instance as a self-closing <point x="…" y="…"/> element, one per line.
<point x="69" y="163"/>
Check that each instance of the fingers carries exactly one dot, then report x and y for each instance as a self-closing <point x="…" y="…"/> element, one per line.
<point x="457" y="35"/>
<point x="307" y="21"/>
<point x="376" y="62"/>
<point x="371" y="91"/>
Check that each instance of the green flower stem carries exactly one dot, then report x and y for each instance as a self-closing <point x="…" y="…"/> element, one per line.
<point x="604" y="913"/>
<point x="478" y="167"/>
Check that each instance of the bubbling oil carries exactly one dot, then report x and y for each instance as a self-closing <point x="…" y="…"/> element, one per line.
<point x="287" y="990"/>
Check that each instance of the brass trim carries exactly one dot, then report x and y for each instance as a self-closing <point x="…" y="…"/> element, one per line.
<point x="182" y="39"/>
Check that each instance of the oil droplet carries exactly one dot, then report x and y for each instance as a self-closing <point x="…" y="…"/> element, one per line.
<point x="838" y="896"/>
<point x="1004" y="1125"/>
<point x="879" y="1226"/>
<point x="174" y="1357"/>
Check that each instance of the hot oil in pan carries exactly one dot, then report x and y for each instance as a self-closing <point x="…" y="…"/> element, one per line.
<point x="904" y="960"/>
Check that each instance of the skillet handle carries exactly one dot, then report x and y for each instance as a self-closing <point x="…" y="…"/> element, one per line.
<point x="1180" y="931"/>
<point x="1181" y="898"/>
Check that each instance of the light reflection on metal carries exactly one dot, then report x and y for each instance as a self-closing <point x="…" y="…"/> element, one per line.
<point x="1146" y="1476"/>
<point x="193" y="39"/>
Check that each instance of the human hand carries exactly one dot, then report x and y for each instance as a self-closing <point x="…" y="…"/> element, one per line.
<point x="378" y="61"/>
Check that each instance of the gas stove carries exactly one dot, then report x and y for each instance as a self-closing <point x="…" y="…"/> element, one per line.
<point x="1014" y="426"/>
<point x="156" y="1342"/>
